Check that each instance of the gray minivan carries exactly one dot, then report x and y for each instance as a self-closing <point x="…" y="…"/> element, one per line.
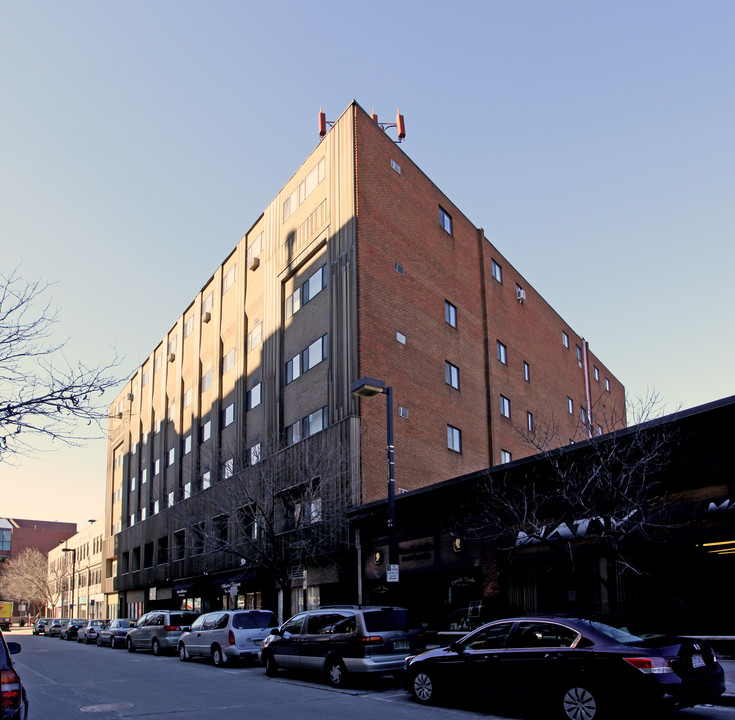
<point x="341" y="639"/>
<point x="159" y="630"/>
<point x="227" y="635"/>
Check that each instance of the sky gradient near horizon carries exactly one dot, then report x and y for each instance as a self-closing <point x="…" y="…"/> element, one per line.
<point x="593" y="142"/>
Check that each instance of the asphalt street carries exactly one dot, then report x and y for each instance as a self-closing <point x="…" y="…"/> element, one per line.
<point x="71" y="681"/>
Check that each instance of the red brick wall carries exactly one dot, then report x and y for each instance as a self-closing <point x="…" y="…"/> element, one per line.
<point x="398" y="221"/>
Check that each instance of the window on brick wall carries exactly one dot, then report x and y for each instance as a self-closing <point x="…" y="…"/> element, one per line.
<point x="451" y="373"/>
<point x="445" y="219"/>
<point x="450" y="314"/>
<point x="504" y="406"/>
<point x="502" y="353"/>
<point x="454" y="438"/>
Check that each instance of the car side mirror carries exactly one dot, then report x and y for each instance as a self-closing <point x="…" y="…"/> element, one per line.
<point x="13" y="648"/>
<point x="277" y="631"/>
<point x="457" y="647"/>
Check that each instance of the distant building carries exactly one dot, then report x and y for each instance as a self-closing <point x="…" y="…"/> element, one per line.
<point x="359" y="267"/>
<point x="17" y="535"/>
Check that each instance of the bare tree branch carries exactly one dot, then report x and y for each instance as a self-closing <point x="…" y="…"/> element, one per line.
<point x="42" y="394"/>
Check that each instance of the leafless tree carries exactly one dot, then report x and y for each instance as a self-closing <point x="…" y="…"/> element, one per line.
<point x="279" y="513"/>
<point x="28" y="578"/>
<point x="42" y="394"/>
<point x="608" y="490"/>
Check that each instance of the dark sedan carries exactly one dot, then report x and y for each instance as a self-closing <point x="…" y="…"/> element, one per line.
<point x="70" y="630"/>
<point x="577" y="668"/>
<point x="115" y="632"/>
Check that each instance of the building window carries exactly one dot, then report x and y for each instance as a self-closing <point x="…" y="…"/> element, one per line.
<point x="205" y="431"/>
<point x="315" y="422"/>
<point x="146" y="378"/>
<point x="578" y="350"/>
<point x="526" y="372"/>
<point x="156" y="467"/>
<point x="502" y="353"/>
<point x="255" y="249"/>
<point x="171" y="456"/>
<point x="529" y="421"/>
<point x="187" y="491"/>
<point x="505" y="456"/>
<point x="188" y="326"/>
<point x="497" y="271"/>
<point x="253" y="396"/>
<point x="607" y="385"/>
<point x="596" y="373"/>
<point x="228" y="468"/>
<point x="450" y="314"/>
<point x="157" y="361"/>
<point x="403" y="412"/>
<point x="293" y="368"/>
<point x="255" y="336"/>
<point x="206" y="480"/>
<point x="565" y="340"/>
<point x="401" y="338"/>
<point x="187" y="444"/>
<point x="208" y="303"/>
<point x="451" y="373"/>
<point x="188" y="394"/>
<point x="132" y="486"/>
<point x="207" y="380"/>
<point x="570" y="406"/>
<point x="445" y="220"/>
<point x="228" y="415"/>
<point x="454" y="438"/>
<point x="315" y="353"/>
<point x="228" y="361"/>
<point x="170" y="499"/>
<point x="255" y="454"/>
<point x="144" y="477"/>
<point x="293" y="433"/>
<point x="229" y="279"/>
<point x="504" y="406"/>
<point x="314" y="285"/>
<point x="395" y="166"/>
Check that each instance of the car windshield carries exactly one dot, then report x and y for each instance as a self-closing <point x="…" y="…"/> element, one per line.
<point x="390" y="619"/>
<point x="125" y="623"/>
<point x="253" y="620"/>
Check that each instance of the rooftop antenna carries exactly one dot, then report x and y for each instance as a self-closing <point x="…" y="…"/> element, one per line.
<point x="399" y="124"/>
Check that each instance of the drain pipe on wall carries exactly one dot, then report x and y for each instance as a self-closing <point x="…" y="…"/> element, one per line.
<point x="587" y="391"/>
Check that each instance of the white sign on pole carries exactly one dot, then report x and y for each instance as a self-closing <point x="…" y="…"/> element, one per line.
<point x="391" y="573"/>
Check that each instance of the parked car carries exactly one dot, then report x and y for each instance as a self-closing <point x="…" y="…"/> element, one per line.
<point x="337" y="640"/>
<point x="578" y="668"/>
<point x="227" y="635"/>
<point x="159" y="630"/>
<point x="71" y="628"/>
<point x="39" y="627"/>
<point x="53" y="629"/>
<point x="115" y="632"/>
<point x="14" y="703"/>
<point x="89" y="631"/>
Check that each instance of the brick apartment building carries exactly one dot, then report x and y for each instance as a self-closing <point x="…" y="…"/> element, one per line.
<point x="360" y="266"/>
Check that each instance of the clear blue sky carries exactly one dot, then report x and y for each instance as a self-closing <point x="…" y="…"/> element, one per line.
<point x="592" y="141"/>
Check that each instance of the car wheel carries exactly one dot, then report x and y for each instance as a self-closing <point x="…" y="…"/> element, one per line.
<point x="336" y="672"/>
<point x="131" y="647"/>
<point x="271" y="666"/>
<point x="423" y="687"/>
<point x="156" y="647"/>
<point x="183" y="655"/>
<point x="99" y="641"/>
<point x="218" y="657"/>
<point x="581" y="703"/>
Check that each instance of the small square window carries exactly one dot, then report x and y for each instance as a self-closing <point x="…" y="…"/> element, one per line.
<point x="399" y="268"/>
<point x="253" y="396"/>
<point x="395" y="166"/>
<point x="504" y="406"/>
<point x="401" y="338"/>
<point x="505" y="456"/>
<point x="454" y="438"/>
<point x="450" y="314"/>
<point x="502" y="353"/>
<point x="445" y="220"/>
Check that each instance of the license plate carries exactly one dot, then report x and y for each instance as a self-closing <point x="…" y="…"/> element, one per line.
<point x="400" y="645"/>
<point x="697" y="661"/>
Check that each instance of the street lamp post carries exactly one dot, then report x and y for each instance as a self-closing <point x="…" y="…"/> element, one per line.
<point x="370" y="387"/>
<point x="73" y="573"/>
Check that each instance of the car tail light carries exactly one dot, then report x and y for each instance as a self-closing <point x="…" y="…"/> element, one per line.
<point x="10" y="688"/>
<point x="650" y="665"/>
<point x="230" y="638"/>
<point x="371" y="640"/>
<point x="171" y="628"/>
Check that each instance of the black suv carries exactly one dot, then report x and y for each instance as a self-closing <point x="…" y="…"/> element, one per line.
<point x="15" y="704"/>
<point x="341" y="639"/>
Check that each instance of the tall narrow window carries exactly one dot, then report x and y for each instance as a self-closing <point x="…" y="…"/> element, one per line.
<point x="570" y="406"/>
<point x="497" y="271"/>
<point x="502" y="353"/>
<point x="454" y="438"/>
<point x="450" y="314"/>
<point x="504" y="406"/>
<point x="526" y="372"/>
<point x="445" y="220"/>
<point x="529" y="421"/>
